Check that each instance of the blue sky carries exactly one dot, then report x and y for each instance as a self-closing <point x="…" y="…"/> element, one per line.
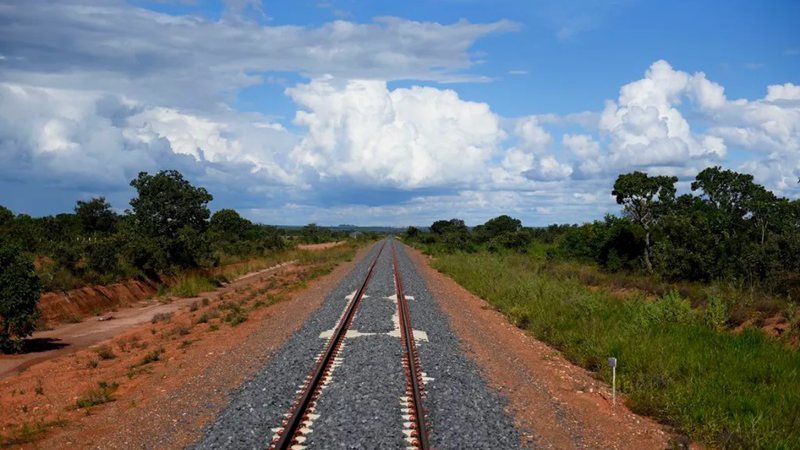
<point x="393" y="113"/>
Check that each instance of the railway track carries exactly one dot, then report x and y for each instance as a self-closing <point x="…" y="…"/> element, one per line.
<point x="293" y="430"/>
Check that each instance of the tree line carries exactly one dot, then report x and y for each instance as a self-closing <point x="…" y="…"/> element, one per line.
<point x="727" y="228"/>
<point x="169" y="228"/>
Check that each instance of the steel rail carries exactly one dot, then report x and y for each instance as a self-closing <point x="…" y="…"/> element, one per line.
<point x="413" y="372"/>
<point x="312" y="389"/>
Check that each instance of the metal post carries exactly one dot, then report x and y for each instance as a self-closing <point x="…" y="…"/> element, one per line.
<point x="612" y="362"/>
<point x="614" y="386"/>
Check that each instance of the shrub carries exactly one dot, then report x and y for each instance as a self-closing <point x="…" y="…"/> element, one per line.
<point x="97" y="396"/>
<point x="235" y="316"/>
<point x="103" y="256"/>
<point x="716" y="313"/>
<point x="19" y="293"/>
<point x="105" y="352"/>
<point x="161" y="317"/>
<point x="191" y="285"/>
<point x="151" y="357"/>
<point x="671" y="308"/>
<point x="96" y="215"/>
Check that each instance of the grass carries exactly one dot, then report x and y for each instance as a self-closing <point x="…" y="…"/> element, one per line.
<point x="105" y="352"/>
<point x="235" y="313"/>
<point x="749" y="303"/>
<point x="97" y="396"/>
<point x="152" y="356"/>
<point x="722" y="389"/>
<point x="28" y="432"/>
<point x="190" y="285"/>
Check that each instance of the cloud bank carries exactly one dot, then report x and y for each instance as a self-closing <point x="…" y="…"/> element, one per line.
<point x="90" y="95"/>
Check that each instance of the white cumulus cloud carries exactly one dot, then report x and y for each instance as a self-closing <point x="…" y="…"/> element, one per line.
<point x="407" y="137"/>
<point x="786" y="91"/>
<point x="646" y="128"/>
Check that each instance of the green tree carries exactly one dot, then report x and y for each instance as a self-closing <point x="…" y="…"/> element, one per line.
<point x="645" y="200"/>
<point x="167" y="203"/>
<point x="103" y="255"/>
<point x="96" y="216"/>
<point x="728" y="191"/>
<point x="765" y="208"/>
<point x="19" y="293"/>
<point x="228" y="225"/>
<point x="502" y="224"/>
<point x="412" y="232"/>
<point x="688" y="248"/>
<point x="6" y="216"/>
<point x="441" y="227"/>
<point x="170" y="217"/>
<point x="311" y="233"/>
<point x="24" y="231"/>
<point x="454" y="234"/>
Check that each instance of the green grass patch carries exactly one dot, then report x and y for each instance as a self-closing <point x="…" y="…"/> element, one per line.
<point x="190" y="285"/>
<point x="152" y="356"/>
<point x="28" y="432"/>
<point x="719" y="388"/>
<point x="234" y="315"/>
<point x="97" y="396"/>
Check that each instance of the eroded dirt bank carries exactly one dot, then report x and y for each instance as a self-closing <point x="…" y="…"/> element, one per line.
<point x="164" y="379"/>
<point x="63" y="339"/>
<point x="560" y="404"/>
<point x="73" y="304"/>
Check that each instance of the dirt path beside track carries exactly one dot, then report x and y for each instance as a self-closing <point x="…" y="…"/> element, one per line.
<point x="69" y="338"/>
<point x="167" y="378"/>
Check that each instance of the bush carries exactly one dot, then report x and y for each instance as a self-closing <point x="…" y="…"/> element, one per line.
<point x="105" y="352"/>
<point x="510" y="240"/>
<point x="716" y="313"/>
<point x="671" y="308"/>
<point x="19" y="293"/>
<point x="161" y="317"/>
<point x="145" y="254"/>
<point x="97" y="396"/>
<point x="96" y="215"/>
<point x="103" y="256"/>
<point x="236" y="315"/>
<point x="152" y="357"/>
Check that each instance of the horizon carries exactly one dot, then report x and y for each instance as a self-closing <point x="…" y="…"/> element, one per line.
<point x="339" y="112"/>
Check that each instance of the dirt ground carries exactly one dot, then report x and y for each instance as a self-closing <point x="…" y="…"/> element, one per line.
<point x="163" y="379"/>
<point x="561" y="405"/>
<point x="68" y="338"/>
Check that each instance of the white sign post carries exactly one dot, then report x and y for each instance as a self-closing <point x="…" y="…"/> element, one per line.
<point x="613" y="363"/>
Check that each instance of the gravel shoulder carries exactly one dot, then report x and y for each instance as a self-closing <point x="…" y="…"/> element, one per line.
<point x="557" y="404"/>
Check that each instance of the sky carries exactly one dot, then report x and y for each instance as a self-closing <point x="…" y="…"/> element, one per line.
<point x="393" y="113"/>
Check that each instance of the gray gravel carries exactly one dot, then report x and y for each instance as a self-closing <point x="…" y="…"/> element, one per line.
<point x="360" y="408"/>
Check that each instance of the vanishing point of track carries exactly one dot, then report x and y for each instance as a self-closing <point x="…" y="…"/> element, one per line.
<point x="291" y="432"/>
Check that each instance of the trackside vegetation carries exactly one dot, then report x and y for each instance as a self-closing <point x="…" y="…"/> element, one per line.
<point x="169" y="235"/>
<point x="681" y="289"/>
<point x="730" y="390"/>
